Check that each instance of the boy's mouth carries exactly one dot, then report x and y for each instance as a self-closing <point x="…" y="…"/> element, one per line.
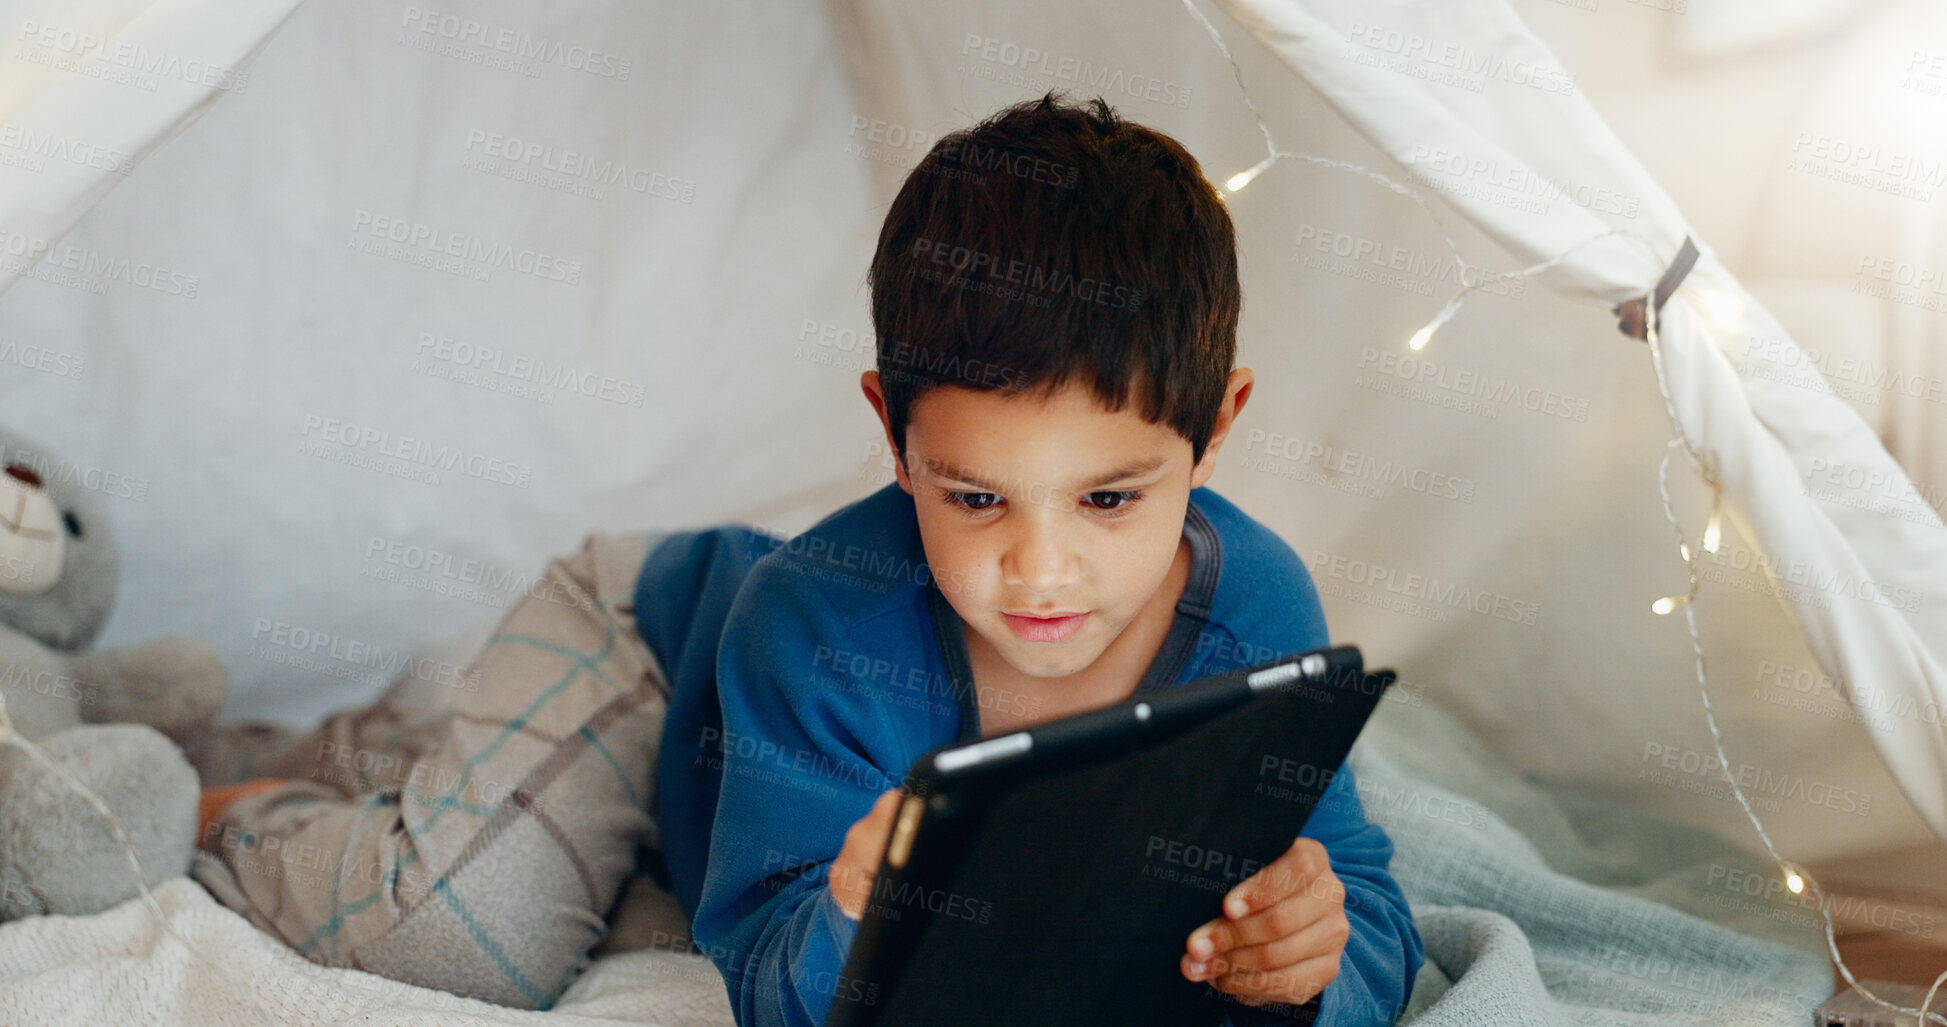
<point x="1044" y="629"/>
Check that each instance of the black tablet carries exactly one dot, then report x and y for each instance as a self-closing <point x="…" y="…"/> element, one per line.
<point x="1051" y="876"/>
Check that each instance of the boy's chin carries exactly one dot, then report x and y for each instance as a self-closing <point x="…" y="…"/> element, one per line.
<point x="1047" y="661"/>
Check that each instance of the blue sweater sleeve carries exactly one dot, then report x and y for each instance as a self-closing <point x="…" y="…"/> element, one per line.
<point x="799" y="768"/>
<point x="1384" y="953"/>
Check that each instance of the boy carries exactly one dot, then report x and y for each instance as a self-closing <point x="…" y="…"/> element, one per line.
<point x="763" y="697"/>
<point x="1055" y="298"/>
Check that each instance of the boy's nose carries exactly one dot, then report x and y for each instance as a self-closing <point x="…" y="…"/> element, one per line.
<point x="1042" y="561"/>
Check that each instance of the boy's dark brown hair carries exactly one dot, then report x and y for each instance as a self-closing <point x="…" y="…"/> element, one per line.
<point x="1054" y="242"/>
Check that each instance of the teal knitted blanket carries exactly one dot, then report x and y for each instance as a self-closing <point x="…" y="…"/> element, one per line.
<point x="1542" y="908"/>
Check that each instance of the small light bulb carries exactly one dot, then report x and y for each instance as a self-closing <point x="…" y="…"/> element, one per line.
<point x="1243" y="178"/>
<point x="1419" y="339"/>
<point x="1795" y="883"/>
<point x="1667" y="603"/>
<point x="1683" y="550"/>
<point x="1713" y="532"/>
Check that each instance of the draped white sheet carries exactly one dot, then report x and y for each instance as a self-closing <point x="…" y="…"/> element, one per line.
<point x="1806" y="477"/>
<point x="88" y="90"/>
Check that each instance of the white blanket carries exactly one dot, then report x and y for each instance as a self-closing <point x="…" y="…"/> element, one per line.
<point x="1536" y="908"/>
<point x="118" y="967"/>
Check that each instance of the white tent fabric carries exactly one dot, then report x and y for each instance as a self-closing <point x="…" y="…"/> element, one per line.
<point x="1804" y="474"/>
<point x="614" y="256"/>
<point x="89" y="91"/>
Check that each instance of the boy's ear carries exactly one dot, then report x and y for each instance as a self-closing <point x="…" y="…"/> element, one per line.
<point x="875" y="395"/>
<point x="1238" y="390"/>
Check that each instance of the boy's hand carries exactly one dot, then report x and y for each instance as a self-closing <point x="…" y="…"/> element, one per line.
<point x="858" y="862"/>
<point x="1281" y="934"/>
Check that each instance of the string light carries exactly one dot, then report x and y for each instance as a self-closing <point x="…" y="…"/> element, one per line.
<point x="1471" y="277"/>
<point x="1723" y="309"/>
<point x="1795" y="877"/>
<point x="1243" y="178"/>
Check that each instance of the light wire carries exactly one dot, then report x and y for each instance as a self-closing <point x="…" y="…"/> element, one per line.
<point x="1680" y="440"/>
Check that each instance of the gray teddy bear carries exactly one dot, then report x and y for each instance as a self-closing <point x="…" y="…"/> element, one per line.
<point x="111" y="717"/>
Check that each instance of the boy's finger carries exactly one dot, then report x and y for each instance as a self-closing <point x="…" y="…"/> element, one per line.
<point x="1294" y="984"/>
<point x="1325" y="935"/>
<point x="876" y="825"/>
<point x="1292" y="870"/>
<point x="1291" y="915"/>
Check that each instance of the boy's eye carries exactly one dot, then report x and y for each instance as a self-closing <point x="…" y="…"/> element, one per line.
<point x="971" y="500"/>
<point x="1107" y="502"/>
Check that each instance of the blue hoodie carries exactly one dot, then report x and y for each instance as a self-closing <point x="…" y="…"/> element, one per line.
<point x="809" y="674"/>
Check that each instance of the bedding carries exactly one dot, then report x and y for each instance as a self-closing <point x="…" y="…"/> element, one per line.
<point x="1538" y="907"/>
<point x="1535" y="907"/>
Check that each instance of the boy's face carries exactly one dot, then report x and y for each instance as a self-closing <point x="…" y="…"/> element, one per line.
<point x="1049" y="506"/>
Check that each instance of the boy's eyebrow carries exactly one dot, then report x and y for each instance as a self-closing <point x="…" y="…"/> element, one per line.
<point x="1129" y="470"/>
